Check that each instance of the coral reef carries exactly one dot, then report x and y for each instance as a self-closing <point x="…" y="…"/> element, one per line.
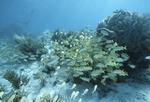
<point x="24" y="49"/>
<point x="11" y="54"/>
<point x="88" y="57"/>
<point x="95" y="58"/>
<point x="30" y="47"/>
<point x="131" y="30"/>
<point x="16" y="80"/>
<point x="59" y="35"/>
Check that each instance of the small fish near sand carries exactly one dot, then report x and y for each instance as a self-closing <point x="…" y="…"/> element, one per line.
<point x="80" y="100"/>
<point x="74" y="85"/>
<point x="147" y="57"/>
<point x="85" y="91"/>
<point x="55" y="98"/>
<point x="1" y="94"/>
<point x="95" y="87"/>
<point x="74" y="95"/>
<point x="62" y="85"/>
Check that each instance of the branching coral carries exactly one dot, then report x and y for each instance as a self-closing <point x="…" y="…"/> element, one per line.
<point x="28" y="46"/>
<point x="16" y="80"/>
<point x="10" y="53"/>
<point x="25" y="49"/>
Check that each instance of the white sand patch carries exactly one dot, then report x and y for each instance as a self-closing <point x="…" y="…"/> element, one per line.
<point x="129" y="91"/>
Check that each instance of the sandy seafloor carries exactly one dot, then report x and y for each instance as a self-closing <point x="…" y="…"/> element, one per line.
<point x="129" y="91"/>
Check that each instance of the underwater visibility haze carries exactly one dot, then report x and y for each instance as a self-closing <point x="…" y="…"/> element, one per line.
<point x="74" y="51"/>
<point x="39" y="15"/>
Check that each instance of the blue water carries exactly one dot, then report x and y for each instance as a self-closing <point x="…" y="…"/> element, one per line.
<point x="35" y="16"/>
<point x="39" y="15"/>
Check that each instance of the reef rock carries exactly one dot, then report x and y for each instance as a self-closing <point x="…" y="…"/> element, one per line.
<point x="131" y="30"/>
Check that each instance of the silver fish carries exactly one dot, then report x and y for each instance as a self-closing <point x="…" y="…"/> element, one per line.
<point x="85" y="91"/>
